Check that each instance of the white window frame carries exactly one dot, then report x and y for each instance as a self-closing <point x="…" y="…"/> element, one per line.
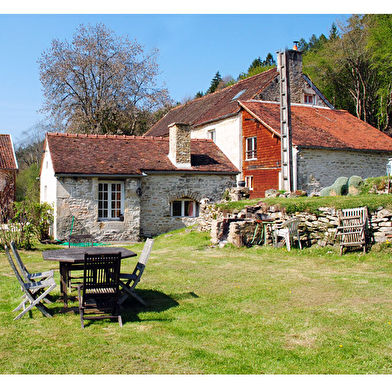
<point x="249" y="182"/>
<point x="212" y="135"/>
<point x="251" y="153"/>
<point x="306" y="99"/>
<point x="110" y="209"/>
<point x="195" y="208"/>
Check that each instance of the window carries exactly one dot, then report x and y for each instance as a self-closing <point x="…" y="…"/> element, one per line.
<point x="212" y="135"/>
<point x="110" y="200"/>
<point x="184" y="207"/>
<point x="238" y="95"/>
<point x="249" y="182"/>
<point x="309" y="99"/>
<point x="251" y="148"/>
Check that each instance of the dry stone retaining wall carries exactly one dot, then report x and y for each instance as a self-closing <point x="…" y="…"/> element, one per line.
<point x="239" y="227"/>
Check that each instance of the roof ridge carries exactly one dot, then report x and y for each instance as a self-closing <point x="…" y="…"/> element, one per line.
<point x="304" y="105"/>
<point x="242" y="81"/>
<point x="104" y="136"/>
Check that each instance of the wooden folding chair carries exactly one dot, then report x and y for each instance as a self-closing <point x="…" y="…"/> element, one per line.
<point x="99" y="293"/>
<point x="34" y="292"/>
<point x="128" y="282"/>
<point x="78" y="240"/>
<point x="353" y="228"/>
<point x="29" y="277"/>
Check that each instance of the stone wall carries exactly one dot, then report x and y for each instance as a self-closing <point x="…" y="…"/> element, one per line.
<point x="319" y="168"/>
<point x="298" y="85"/>
<point x="242" y="229"/>
<point x="180" y="144"/>
<point x="146" y="210"/>
<point x="78" y="197"/>
<point x="158" y="191"/>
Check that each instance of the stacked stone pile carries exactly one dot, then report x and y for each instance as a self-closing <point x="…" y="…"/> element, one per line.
<point x="381" y="224"/>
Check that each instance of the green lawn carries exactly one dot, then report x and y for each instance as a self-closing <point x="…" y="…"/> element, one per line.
<point x="217" y="311"/>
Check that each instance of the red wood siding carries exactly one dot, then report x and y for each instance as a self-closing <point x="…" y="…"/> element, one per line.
<point x="265" y="169"/>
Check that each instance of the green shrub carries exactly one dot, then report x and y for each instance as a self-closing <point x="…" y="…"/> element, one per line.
<point x="374" y="182"/>
<point x="338" y="188"/>
<point x="354" y="185"/>
<point x="30" y="222"/>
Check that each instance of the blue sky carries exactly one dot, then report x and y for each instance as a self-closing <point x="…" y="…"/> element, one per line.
<point x="193" y="47"/>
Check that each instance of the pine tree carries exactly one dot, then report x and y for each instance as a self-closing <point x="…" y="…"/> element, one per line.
<point x="214" y="83"/>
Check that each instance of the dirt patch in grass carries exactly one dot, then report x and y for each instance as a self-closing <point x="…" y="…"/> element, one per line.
<point x="306" y="339"/>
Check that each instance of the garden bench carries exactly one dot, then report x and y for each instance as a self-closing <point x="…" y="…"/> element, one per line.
<point x="80" y="240"/>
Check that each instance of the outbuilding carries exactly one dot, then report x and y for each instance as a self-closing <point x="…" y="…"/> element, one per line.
<point x="122" y="188"/>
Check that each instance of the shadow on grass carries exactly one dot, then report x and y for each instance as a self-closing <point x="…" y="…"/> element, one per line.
<point x="157" y="302"/>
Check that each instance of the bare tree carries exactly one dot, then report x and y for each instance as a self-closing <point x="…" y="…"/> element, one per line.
<point x="29" y="146"/>
<point x="99" y="83"/>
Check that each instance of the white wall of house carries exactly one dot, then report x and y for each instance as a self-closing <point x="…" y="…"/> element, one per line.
<point x="319" y="168"/>
<point x="48" y="180"/>
<point x="48" y="183"/>
<point x="228" y="137"/>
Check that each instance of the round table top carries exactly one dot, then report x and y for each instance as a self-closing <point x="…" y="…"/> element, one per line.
<point x="76" y="254"/>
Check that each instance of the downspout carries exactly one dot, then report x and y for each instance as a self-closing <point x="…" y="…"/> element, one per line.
<point x="240" y="176"/>
<point x="295" y="168"/>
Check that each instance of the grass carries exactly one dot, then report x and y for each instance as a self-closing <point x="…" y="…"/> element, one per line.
<point x="312" y="204"/>
<point x="253" y="310"/>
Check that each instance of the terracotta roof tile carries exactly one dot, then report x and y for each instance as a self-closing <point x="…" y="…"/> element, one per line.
<point x="321" y="127"/>
<point x="216" y="105"/>
<point x="7" y="155"/>
<point x="128" y="155"/>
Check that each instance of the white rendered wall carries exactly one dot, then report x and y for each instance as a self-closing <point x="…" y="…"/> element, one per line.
<point x="48" y="183"/>
<point x="228" y="137"/>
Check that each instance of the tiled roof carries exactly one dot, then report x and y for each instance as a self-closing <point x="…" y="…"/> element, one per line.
<point x="128" y="155"/>
<point x="321" y="127"/>
<point x="7" y="155"/>
<point x="214" y="106"/>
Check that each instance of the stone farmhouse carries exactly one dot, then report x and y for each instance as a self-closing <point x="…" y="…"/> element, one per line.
<point x="327" y="144"/>
<point x="8" y="172"/>
<point x="126" y="187"/>
<point x="244" y="121"/>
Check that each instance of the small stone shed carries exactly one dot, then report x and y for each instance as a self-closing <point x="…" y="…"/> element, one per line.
<point x="122" y="188"/>
<point x="8" y="172"/>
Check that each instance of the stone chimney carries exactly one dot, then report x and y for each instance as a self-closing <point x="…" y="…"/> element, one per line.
<point x="294" y="58"/>
<point x="180" y="145"/>
<point x="295" y="71"/>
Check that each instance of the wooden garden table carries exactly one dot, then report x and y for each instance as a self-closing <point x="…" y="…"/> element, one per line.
<point x="72" y="259"/>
